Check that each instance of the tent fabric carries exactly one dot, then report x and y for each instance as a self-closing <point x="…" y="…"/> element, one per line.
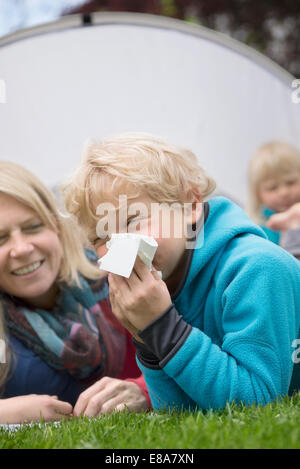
<point x="67" y="83"/>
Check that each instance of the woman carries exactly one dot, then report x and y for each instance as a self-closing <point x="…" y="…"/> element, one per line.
<point x="64" y="340"/>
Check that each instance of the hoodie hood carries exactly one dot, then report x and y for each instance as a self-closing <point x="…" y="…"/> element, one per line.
<point x="225" y="221"/>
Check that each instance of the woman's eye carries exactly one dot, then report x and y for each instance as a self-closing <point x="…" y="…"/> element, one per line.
<point x="34" y="227"/>
<point x="3" y="239"/>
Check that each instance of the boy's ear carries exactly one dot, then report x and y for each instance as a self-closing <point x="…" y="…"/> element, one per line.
<point x="195" y="200"/>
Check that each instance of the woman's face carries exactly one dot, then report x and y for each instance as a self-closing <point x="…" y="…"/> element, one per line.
<point x="30" y="254"/>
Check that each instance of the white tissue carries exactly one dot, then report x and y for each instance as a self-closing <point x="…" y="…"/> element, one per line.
<point x="123" y="248"/>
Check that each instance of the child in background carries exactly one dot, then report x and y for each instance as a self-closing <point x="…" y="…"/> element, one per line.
<point x="219" y="325"/>
<point x="273" y="183"/>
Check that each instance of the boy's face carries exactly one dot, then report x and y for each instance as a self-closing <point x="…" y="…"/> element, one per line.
<point x="143" y="215"/>
<point x="280" y="193"/>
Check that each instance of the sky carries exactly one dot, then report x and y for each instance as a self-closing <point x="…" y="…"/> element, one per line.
<point x="17" y="14"/>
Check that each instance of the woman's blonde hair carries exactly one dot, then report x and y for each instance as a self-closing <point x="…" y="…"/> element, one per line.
<point x="137" y="163"/>
<point x="271" y="161"/>
<point x="24" y="186"/>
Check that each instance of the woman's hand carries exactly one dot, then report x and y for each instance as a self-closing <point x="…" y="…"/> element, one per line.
<point x="288" y="220"/>
<point x="140" y="299"/>
<point x="33" y="408"/>
<point x="108" y="395"/>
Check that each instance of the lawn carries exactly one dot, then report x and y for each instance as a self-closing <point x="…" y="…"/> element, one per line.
<point x="275" y="425"/>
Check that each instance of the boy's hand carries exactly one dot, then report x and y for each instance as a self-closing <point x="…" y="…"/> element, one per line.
<point x="140" y="299"/>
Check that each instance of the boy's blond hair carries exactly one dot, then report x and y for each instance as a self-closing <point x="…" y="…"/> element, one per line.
<point x="271" y="161"/>
<point x="135" y="163"/>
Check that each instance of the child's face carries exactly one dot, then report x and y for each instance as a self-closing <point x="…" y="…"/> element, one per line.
<point x="157" y="221"/>
<point x="280" y="193"/>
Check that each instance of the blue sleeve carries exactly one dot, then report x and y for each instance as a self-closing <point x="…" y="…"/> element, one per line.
<point x="258" y="310"/>
<point x="28" y="374"/>
<point x="272" y="235"/>
<point x="164" y="392"/>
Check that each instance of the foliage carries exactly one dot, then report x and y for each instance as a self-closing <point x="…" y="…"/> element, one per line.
<point x="270" y="26"/>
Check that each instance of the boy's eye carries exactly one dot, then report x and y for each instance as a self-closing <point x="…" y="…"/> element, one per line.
<point x="135" y="219"/>
<point x="132" y="218"/>
<point x="99" y="241"/>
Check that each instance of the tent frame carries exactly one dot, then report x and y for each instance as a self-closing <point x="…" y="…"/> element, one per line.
<point x="150" y="21"/>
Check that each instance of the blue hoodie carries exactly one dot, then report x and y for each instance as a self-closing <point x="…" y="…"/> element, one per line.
<point x="240" y="303"/>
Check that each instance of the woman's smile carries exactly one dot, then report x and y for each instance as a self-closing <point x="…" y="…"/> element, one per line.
<point x="28" y="269"/>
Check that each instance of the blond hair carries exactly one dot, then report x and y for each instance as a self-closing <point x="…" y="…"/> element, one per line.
<point x="272" y="160"/>
<point x="24" y="186"/>
<point x="138" y="163"/>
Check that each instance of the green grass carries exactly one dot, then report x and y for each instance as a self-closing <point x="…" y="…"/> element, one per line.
<point x="275" y="425"/>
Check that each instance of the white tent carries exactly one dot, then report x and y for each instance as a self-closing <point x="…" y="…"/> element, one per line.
<point x="66" y="82"/>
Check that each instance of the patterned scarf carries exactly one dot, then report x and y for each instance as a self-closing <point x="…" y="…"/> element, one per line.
<point x="80" y="334"/>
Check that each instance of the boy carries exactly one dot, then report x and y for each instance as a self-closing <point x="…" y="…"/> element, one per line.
<point x="220" y="324"/>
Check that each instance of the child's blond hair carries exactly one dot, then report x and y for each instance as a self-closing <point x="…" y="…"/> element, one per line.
<point x="135" y="163"/>
<point x="271" y="161"/>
